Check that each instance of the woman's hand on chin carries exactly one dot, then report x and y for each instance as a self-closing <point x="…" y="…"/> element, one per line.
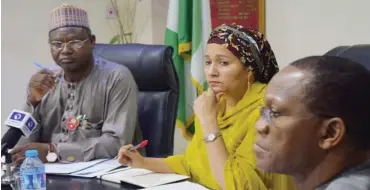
<point x="205" y="108"/>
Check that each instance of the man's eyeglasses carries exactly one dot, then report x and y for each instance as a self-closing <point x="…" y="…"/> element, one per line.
<point x="74" y="44"/>
<point x="268" y="115"/>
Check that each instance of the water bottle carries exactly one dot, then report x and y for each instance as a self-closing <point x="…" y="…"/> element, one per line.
<point x="32" y="172"/>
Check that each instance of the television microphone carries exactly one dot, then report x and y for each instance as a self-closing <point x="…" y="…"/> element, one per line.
<point x="20" y="123"/>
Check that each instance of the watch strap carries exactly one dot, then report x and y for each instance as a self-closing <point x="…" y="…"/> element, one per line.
<point x="50" y="148"/>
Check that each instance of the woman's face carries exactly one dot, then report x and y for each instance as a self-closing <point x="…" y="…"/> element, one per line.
<point x="225" y="73"/>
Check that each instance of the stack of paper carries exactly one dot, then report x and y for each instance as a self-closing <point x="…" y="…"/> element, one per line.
<point x="83" y="169"/>
<point x="110" y="170"/>
<point x="98" y="169"/>
<point x="60" y="168"/>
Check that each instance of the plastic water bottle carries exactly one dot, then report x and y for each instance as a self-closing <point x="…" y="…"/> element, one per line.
<point x="32" y="172"/>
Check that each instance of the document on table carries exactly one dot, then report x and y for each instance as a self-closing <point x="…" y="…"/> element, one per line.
<point x="59" y="168"/>
<point x="142" y="177"/>
<point x="186" y="185"/>
<point x="116" y="177"/>
<point x="98" y="169"/>
<point x="121" y="168"/>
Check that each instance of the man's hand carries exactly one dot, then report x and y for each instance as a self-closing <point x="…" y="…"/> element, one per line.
<point x="18" y="154"/>
<point x="40" y="83"/>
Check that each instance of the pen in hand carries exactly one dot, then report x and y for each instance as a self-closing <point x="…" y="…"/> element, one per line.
<point x="141" y="145"/>
<point x="42" y="67"/>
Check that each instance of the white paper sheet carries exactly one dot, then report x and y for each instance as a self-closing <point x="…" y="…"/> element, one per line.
<point x="113" y="171"/>
<point x="98" y="169"/>
<point x="116" y="177"/>
<point x="186" y="185"/>
<point x="59" y="168"/>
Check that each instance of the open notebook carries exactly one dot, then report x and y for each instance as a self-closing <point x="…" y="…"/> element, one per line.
<point x="141" y="177"/>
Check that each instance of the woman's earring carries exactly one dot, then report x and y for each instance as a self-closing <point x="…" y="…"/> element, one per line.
<point x="250" y="74"/>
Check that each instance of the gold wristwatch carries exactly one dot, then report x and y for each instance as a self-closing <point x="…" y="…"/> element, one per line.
<point x="52" y="156"/>
<point x="211" y="137"/>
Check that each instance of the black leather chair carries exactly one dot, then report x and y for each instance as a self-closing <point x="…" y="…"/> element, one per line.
<point x="359" y="53"/>
<point x="155" y="75"/>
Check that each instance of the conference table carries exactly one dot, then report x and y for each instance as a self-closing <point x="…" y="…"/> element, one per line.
<point x="75" y="183"/>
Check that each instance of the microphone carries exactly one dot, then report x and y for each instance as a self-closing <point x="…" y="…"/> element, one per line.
<point x="20" y="123"/>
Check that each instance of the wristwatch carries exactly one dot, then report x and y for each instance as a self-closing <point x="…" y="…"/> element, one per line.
<point x="211" y="137"/>
<point x="52" y="156"/>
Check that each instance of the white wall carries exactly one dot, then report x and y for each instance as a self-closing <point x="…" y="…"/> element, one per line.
<point x="295" y="28"/>
<point x="298" y="28"/>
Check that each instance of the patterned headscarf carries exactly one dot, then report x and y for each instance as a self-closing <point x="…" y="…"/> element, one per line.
<point x="250" y="46"/>
<point x="67" y="15"/>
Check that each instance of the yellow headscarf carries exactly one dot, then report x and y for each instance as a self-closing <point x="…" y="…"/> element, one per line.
<point x="252" y="96"/>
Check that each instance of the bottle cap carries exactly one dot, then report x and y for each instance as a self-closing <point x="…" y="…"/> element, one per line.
<point x="31" y="153"/>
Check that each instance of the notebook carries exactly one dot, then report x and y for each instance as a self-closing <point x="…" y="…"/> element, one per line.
<point x="143" y="178"/>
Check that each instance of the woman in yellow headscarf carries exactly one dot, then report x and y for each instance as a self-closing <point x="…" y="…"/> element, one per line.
<point x="238" y="64"/>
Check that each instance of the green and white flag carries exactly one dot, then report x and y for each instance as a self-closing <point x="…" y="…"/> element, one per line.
<point x="188" y="28"/>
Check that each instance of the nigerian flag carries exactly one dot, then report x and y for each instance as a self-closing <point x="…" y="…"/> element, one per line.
<point x="188" y="27"/>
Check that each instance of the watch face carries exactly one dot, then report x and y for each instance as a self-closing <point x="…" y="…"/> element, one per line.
<point x="51" y="157"/>
<point x="210" y="137"/>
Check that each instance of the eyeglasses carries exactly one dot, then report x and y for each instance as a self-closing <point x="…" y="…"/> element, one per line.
<point x="74" y="44"/>
<point x="268" y="115"/>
